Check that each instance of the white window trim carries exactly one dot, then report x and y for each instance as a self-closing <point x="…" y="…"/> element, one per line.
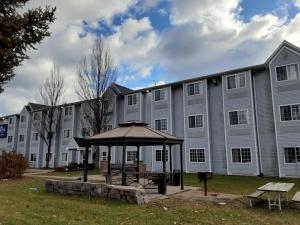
<point x="153" y="95"/>
<point x="131" y="150"/>
<point x="201" y="90"/>
<point x="236" y="110"/>
<point x="159" y="149"/>
<point x="128" y="101"/>
<point x="287" y="163"/>
<point x="64" y="159"/>
<point x="193" y="128"/>
<point x="235" y="75"/>
<point x="12" y="139"/>
<point x="33" y="136"/>
<point x="205" y="161"/>
<point x="69" y="133"/>
<point x="162" y="119"/>
<point x="241" y="163"/>
<point x="279" y="81"/>
<point x="68" y="115"/>
<point x="287" y="121"/>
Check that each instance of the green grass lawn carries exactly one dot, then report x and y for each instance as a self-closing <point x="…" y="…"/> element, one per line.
<point x="71" y="173"/>
<point x="22" y="206"/>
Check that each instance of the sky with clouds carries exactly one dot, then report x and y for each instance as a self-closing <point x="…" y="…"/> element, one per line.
<point x="154" y="41"/>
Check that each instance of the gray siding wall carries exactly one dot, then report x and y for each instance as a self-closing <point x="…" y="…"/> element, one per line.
<point x="239" y="136"/>
<point x="284" y="93"/>
<point x="217" y="131"/>
<point x="265" y="124"/>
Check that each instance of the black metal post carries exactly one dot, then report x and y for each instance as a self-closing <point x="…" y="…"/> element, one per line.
<point x="164" y="170"/>
<point x="171" y="164"/>
<point x="108" y="160"/>
<point x="86" y="158"/>
<point x="123" y="165"/>
<point x="138" y="163"/>
<point x="181" y="166"/>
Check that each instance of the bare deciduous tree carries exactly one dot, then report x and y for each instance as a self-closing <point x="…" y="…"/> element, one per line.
<point x="48" y="123"/>
<point x="95" y="74"/>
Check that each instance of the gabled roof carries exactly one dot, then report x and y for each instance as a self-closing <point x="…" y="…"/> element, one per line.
<point x="36" y="106"/>
<point x="120" y="89"/>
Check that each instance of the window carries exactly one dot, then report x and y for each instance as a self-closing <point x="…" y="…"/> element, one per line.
<point x="21" y="138"/>
<point x="9" y="139"/>
<point x="196" y="121"/>
<point x="10" y="120"/>
<point x="85" y="132"/>
<point x="290" y="112"/>
<point x="64" y="157"/>
<point x="48" y="157"/>
<point x="131" y="155"/>
<point x="238" y="117"/>
<point x="159" y="155"/>
<point x="132" y="99"/>
<point x="107" y="127"/>
<point x="195" y="88"/>
<point x="197" y="155"/>
<point x="68" y="111"/>
<point x="23" y="119"/>
<point x="292" y="154"/>
<point x="161" y="124"/>
<point x="36" y="116"/>
<point x="236" y="81"/>
<point x="104" y="156"/>
<point x="288" y="72"/>
<point x="33" y="157"/>
<point x="159" y="95"/>
<point x="66" y="133"/>
<point x="35" y="136"/>
<point x="241" y="155"/>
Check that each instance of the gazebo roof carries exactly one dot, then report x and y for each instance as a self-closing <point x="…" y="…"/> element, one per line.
<point x="133" y="133"/>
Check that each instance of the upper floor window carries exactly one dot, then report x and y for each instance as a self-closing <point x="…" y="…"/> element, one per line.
<point x="195" y="88"/>
<point x="21" y="138"/>
<point x="68" y="111"/>
<point x="241" y="155"/>
<point x="287" y="72"/>
<point x="159" y="94"/>
<point x="11" y="120"/>
<point x="161" y="124"/>
<point x="236" y="81"/>
<point x="195" y="121"/>
<point x="35" y="136"/>
<point x="292" y="154"/>
<point x="23" y="119"/>
<point x="159" y="156"/>
<point x="85" y="132"/>
<point x="290" y="112"/>
<point x="197" y="155"/>
<point x="238" y="117"/>
<point x="36" y="116"/>
<point x="9" y="139"/>
<point x="66" y="133"/>
<point x="132" y="99"/>
<point x="64" y="157"/>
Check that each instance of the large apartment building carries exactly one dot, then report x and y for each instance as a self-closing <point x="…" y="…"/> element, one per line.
<point x="241" y="122"/>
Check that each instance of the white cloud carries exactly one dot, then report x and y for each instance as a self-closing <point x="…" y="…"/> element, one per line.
<point x="297" y="3"/>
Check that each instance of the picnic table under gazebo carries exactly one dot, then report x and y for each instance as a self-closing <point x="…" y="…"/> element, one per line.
<point x="136" y="133"/>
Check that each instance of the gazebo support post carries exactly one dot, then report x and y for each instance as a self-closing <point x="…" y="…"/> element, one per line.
<point x="86" y="159"/>
<point x="123" y="165"/>
<point x="138" y="163"/>
<point x="181" y="166"/>
<point x="164" y="170"/>
<point x="171" y="164"/>
<point x="108" y="160"/>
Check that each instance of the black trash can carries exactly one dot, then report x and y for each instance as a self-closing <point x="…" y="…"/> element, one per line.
<point x="160" y="183"/>
<point x="176" y="178"/>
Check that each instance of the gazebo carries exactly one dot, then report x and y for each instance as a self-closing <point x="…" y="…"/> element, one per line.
<point x="136" y="133"/>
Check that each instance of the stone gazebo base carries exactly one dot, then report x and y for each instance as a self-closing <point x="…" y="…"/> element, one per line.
<point x="121" y="193"/>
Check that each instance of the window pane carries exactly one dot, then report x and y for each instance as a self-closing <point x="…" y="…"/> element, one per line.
<point x="192" y="123"/>
<point x="281" y="73"/>
<point x="233" y="118"/>
<point x="159" y="155"/>
<point x="285" y="113"/>
<point x="191" y="89"/>
<point x="296" y="112"/>
<point x="131" y="156"/>
<point x="242" y="80"/>
<point x="199" y="121"/>
<point x="293" y="72"/>
<point x="236" y="155"/>
<point x="231" y="82"/>
<point x="290" y="155"/>
<point x="246" y="155"/>
<point x="298" y="154"/>
<point x="197" y="155"/>
<point x="197" y="88"/>
<point x="243" y="117"/>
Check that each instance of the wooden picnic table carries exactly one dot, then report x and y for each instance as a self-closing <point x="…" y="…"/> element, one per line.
<point x="278" y="189"/>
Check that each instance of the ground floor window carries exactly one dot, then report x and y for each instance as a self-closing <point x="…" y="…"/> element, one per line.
<point x="48" y="156"/>
<point x="159" y="155"/>
<point x="33" y="157"/>
<point x="64" y="157"/>
<point x="104" y="156"/>
<point x="292" y="154"/>
<point x="131" y="155"/>
<point x="241" y="155"/>
<point x="197" y="155"/>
